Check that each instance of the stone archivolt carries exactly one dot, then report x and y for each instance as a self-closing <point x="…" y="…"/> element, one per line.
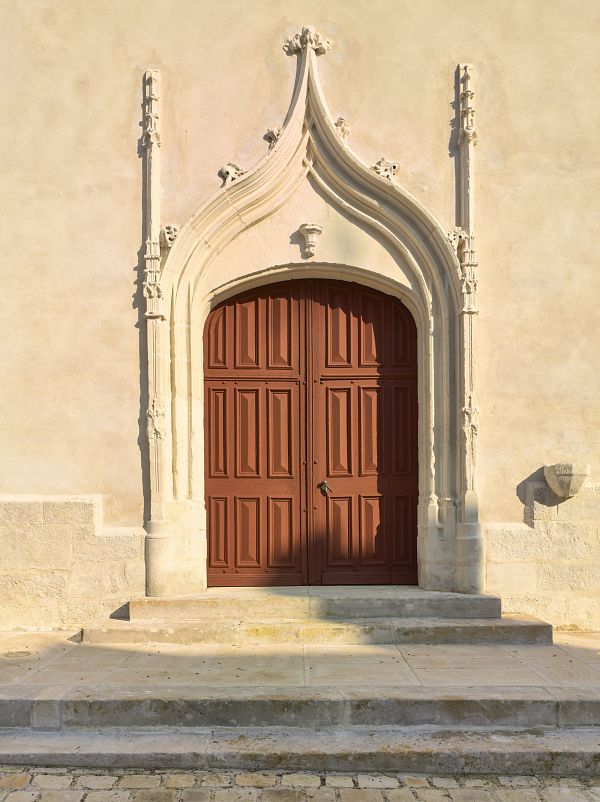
<point x="440" y="295"/>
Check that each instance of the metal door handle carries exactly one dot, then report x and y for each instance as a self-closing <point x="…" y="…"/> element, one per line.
<point x="324" y="488"/>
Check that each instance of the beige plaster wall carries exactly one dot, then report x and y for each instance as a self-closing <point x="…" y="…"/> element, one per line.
<point x="60" y="566"/>
<point x="71" y="210"/>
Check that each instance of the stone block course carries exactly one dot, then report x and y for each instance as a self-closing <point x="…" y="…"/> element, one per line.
<point x="339" y="781"/>
<point x="179" y="781"/>
<point x="360" y="795"/>
<point x="154" y="795"/>
<point x="140" y="781"/>
<point x="52" y="781"/>
<point x="114" y="795"/>
<point x="379" y="781"/>
<point x="96" y="781"/>
<point x="282" y="795"/>
<point x="197" y="795"/>
<point x="61" y="796"/>
<point x="258" y="779"/>
<point x="301" y="780"/>
<point x="235" y="794"/>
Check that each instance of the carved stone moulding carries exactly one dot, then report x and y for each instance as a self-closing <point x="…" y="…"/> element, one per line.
<point x="273" y="135"/>
<point x="310" y="232"/>
<point x="565" y="479"/>
<point x="386" y="169"/>
<point x="342" y="127"/>
<point x="230" y="172"/>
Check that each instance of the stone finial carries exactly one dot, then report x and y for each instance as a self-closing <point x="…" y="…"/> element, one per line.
<point x="386" y="168"/>
<point x="565" y="479"/>
<point x="230" y="172"/>
<point x="273" y="135"/>
<point x="343" y="128"/>
<point x="310" y="232"/>
<point x="308" y="37"/>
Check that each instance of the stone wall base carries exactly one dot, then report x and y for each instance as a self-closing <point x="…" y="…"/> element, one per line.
<point x="60" y="567"/>
<point x="549" y="566"/>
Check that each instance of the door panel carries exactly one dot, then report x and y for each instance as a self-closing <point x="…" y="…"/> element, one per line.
<point x="311" y="381"/>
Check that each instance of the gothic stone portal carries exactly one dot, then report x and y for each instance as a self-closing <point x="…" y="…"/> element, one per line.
<point x="311" y="433"/>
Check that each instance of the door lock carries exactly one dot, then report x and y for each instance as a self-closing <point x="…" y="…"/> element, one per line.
<point x="324" y="488"/>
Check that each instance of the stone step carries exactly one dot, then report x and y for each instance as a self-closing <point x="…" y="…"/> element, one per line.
<point x="325" y="603"/>
<point x="357" y="631"/>
<point x="187" y="706"/>
<point x="428" y="750"/>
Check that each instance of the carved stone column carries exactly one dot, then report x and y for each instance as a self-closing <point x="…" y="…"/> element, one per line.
<point x="157" y="540"/>
<point x="470" y="558"/>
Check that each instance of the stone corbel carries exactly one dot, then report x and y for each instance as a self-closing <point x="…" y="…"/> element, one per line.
<point x="566" y="479"/>
<point x="310" y="232"/>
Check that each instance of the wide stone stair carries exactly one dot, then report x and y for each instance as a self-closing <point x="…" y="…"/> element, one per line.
<point x="342" y="615"/>
<point x="328" y="679"/>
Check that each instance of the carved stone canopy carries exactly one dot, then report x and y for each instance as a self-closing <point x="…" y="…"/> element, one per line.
<point x="310" y="232"/>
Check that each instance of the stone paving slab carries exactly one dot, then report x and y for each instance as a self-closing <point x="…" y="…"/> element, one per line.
<point x="29" y="784"/>
<point x="44" y="660"/>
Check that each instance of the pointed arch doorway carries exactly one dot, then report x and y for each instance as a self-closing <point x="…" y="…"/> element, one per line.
<point x="311" y="429"/>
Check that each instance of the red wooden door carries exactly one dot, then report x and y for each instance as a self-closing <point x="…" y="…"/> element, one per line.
<point x="310" y="382"/>
<point x="365" y="437"/>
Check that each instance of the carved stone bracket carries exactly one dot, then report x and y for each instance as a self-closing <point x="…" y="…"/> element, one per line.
<point x="230" y="172"/>
<point x="308" y="37"/>
<point x="310" y="232"/>
<point x="386" y="168"/>
<point x="169" y="235"/>
<point x="273" y="135"/>
<point x="342" y="127"/>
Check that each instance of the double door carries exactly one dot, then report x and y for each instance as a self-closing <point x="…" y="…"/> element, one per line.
<point x="311" y="437"/>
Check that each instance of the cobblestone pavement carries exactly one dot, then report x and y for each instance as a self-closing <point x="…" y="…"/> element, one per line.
<point x="18" y="784"/>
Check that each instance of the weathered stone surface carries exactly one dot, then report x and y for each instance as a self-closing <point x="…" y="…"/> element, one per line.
<point x="282" y="795"/>
<point x="14" y="781"/>
<point x="96" y="781"/>
<point x="339" y="781"/>
<point x="20" y="512"/>
<point x="52" y="781"/>
<point x="154" y="796"/>
<point x="301" y="780"/>
<point x="61" y="796"/>
<point x="235" y="794"/>
<point x="257" y="779"/>
<point x="140" y="781"/>
<point x="360" y="795"/>
<point x="378" y="781"/>
<point x="197" y="795"/>
<point x="114" y="795"/>
<point x="179" y="781"/>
